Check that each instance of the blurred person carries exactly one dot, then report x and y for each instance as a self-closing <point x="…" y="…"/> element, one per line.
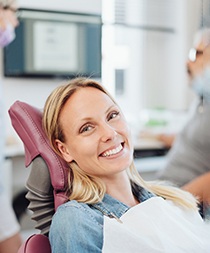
<point x="189" y="156"/>
<point x="10" y="238"/>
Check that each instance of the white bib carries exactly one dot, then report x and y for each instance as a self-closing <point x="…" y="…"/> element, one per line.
<point x="157" y="225"/>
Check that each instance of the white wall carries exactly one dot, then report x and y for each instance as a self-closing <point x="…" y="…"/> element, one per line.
<point x="156" y="71"/>
<point x="154" y="62"/>
<point x="165" y="76"/>
<point x="35" y="91"/>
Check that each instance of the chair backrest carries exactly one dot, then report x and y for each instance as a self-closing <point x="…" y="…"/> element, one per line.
<point x="36" y="244"/>
<point x="47" y="182"/>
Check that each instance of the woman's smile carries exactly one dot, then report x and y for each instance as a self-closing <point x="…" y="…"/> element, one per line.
<point x="112" y="152"/>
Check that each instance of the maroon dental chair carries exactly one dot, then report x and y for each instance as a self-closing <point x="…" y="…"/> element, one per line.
<point x="47" y="182"/>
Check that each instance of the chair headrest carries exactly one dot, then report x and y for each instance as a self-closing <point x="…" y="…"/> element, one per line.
<point x="27" y="122"/>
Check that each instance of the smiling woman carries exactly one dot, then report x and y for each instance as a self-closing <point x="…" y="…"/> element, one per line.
<point x="87" y="128"/>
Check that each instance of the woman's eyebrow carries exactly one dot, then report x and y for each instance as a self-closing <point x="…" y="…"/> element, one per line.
<point x="88" y="118"/>
<point x="110" y="107"/>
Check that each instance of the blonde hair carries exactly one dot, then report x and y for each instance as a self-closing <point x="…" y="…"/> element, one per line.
<point x="86" y="188"/>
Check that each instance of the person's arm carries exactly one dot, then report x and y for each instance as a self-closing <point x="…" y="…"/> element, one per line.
<point x="200" y="187"/>
<point x="11" y="245"/>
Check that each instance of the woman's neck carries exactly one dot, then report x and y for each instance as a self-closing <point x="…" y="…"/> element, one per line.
<point x="121" y="190"/>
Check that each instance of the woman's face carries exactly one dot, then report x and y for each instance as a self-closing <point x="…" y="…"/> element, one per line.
<point x="97" y="135"/>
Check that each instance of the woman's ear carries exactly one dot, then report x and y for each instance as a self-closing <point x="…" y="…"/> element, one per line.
<point x="64" y="151"/>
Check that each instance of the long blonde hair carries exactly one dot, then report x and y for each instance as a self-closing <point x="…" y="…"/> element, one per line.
<point x="86" y="188"/>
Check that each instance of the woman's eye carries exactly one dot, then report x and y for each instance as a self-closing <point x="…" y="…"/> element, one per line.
<point x="86" y="128"/>
<point x="113" y="115"/>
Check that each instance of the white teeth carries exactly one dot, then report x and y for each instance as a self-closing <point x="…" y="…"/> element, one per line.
<point x="112" y="151"/>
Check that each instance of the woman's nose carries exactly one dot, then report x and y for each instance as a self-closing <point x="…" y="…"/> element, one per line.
<point x="107" y="132"/>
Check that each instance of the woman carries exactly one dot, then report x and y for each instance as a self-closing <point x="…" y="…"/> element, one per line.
<point x="110" y="207"/>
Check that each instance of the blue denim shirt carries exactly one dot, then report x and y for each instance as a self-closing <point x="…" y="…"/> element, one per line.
<point x="78" y="227"/>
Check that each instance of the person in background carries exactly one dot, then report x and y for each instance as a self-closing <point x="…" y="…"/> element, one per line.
<point x="10" y="238"/>
<point x="111" y="208"/>
<point x="189" y="155"/>
<point x="8" y="21"/>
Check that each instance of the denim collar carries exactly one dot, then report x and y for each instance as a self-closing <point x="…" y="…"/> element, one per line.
<point x="113" y="208"/>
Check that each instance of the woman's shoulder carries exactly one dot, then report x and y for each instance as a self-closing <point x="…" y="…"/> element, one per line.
<point x="73" y="221"/>
<point x="73" y="211"/>
<point x="68" y="215"/>
<point x="72" y="214"/>
<point x="71" y="208"/>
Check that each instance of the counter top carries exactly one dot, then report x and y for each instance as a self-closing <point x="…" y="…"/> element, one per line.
<point x="14" y="150"/>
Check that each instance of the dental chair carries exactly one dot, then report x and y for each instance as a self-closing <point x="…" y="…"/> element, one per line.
<point x="47" y="182"/>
